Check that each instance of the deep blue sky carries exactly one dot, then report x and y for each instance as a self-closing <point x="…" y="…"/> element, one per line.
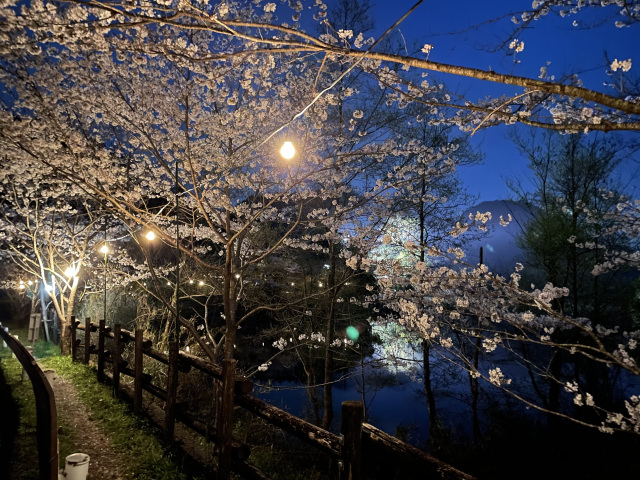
<point x="569" y="49"/>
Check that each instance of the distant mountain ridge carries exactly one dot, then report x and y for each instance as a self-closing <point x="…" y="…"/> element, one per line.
<point x="500" y="252"/>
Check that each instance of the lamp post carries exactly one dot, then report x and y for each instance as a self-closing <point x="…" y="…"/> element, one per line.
<point x="176" y="330"/>
<point x="104" y="249"/>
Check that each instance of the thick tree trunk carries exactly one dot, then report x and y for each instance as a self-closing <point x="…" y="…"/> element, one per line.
<point x="65" y="337"/>
<point x="65" y="320"/>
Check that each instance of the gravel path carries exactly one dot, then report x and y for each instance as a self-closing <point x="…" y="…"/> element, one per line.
<point x="89" y="438"/>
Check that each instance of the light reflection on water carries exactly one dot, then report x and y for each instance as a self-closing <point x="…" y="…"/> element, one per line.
<point x="394" y="392"/>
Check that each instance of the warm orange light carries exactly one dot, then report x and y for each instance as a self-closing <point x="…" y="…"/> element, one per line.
<point x="288" y="150"/>
<point x="150" y="235"/>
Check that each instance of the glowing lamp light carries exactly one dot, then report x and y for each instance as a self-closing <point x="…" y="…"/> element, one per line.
<point x="150" y="235"/>
<point x="353" y="333"/>
<point x="288" y="150"/>
<point x="104" y="249"/>
<point x="71" y="271"/>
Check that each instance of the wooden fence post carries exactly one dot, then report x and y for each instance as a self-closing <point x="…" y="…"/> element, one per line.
<point x="172" y="388"/>
<point x="352" y="418"/>
<point x="225" y="419"/>
<point x="138" y="369"/>
<point x="101" y="328"/>
<point x="116" y="358"/>
<point x="74" y="347"/>
<point x="87" y="339"/>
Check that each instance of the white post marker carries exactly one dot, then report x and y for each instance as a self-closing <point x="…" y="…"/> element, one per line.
<point x="76" y="466"/>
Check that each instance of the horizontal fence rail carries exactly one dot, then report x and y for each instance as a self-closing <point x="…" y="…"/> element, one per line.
<point x="46" y="414"/>
<point x="357" y="450"/>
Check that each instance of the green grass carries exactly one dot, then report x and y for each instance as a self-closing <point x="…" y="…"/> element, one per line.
<point x="20" y="403"/>
<point x="137" y="442"/>
<point x="142" y="453"/>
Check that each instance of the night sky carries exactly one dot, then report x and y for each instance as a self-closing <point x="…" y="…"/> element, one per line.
<point x="569" y="49"/>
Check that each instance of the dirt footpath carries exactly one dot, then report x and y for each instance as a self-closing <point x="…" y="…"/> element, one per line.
<point x="89" y="438"/>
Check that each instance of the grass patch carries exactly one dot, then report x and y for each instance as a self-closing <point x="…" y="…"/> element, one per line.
<point x="285" y="464"/>
<point x="142" y="453"/>
<point x="19" y="422"/>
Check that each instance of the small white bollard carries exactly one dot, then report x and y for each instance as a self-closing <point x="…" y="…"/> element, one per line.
<point x="76" y="466"/>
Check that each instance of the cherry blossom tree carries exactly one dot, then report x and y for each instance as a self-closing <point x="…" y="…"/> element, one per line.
<point x="170" y="113"/>
<point x="444" y="303"/>
<point x="48" y="231"/>
<point x="186" y="149"/>
<point x="250" y="30"/>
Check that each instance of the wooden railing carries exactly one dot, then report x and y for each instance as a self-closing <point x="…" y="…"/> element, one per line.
<point x="357" y="450"/>
<point x="46" y="415"/>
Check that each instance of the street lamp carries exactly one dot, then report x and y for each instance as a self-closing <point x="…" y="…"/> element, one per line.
<point x="176" y="329"/>
<point x="71" y="272"/>
<point x="288" y="151"/>
<point x="104" y="249"/>
<point x="150" y="235"/>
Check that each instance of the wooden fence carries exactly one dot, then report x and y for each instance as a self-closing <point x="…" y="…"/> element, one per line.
<point x="46" y="415"/>
<point x="358" y="450"/>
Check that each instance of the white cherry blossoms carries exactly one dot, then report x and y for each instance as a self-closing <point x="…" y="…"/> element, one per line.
<point x="516" y="46"/>
<point x="624" y="65"/>
<point x="497" y="378"/>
